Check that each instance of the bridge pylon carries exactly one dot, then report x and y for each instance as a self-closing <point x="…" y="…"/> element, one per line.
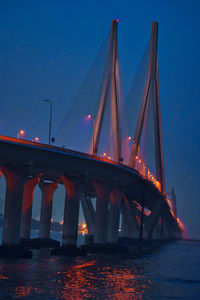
<point x="151" y="87"/>
<point x="110" y="83"/>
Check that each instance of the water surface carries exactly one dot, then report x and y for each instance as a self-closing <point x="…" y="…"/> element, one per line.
<point x="170" y="273"/>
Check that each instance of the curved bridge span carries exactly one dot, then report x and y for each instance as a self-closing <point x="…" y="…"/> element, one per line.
<point x="118" y="189"/>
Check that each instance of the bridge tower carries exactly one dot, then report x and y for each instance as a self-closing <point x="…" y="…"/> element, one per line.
<point x="110" y="82"/>
<point x="152" y="84"/>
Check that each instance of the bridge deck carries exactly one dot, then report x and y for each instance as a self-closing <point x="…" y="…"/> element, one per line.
<point x="52" y="162"/>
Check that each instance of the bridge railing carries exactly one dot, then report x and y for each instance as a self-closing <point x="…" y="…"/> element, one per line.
<point x="51" y="147"/>
<point x="140" y="167"/>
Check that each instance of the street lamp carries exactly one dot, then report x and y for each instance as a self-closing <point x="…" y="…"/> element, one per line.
<point x="89" y="117"/>
<point x="21" y="134"/>
<point x="93" y="119"/>
<point x="50" y="118"/>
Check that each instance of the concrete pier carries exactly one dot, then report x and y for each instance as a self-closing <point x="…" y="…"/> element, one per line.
<point x="124" y="226"/>
<point x="47" y="190"/>
<point x="114" y="215"/>
<point x="130" y="226"/>
<point x="71" y="211"/>
<point x="101" y="224"/>
<point x="153" y="218"/>
<point x="15" y="180"/>
<point x="89" y="213"/>
<point x="27" y="207"/>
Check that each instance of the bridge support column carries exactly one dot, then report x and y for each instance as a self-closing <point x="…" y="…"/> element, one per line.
<point x="15" y="179"/>
<point x="47" y="190"/>
<point x="124" y="226"/>
<point x="114" y="215"/>
<point x="101" y="222"/>
<point x="130" y="226"/>
<point x="89" y="213"/>
<point x="153" y="218"/>
<point x="128" y="230"/>
<point x="27" y="207"/>
<point x="71" y="211"/>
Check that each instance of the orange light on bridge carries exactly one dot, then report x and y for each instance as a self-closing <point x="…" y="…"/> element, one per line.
<point x="36" y="139"/>
<point x="180" y="224"/>
<point x="158" y="185"/>
<point x="169" y="203"/>
<point x="109" y="157"/>
<point x="129" y="138"/>
<point x="104" y="154"/>
<point x="89" y="116"/>
<point x="117" y="20"/>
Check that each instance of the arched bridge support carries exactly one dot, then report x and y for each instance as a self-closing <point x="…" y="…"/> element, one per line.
<point x="130" y="226"/>
<point x="114" y="216"/>
<point x="73" y="192"/>
<point x="101" y="222"/>
<point x="107" y="214"/>
<point x="154" y="217"/>
<point x="89" y="213"/>
<point x="27" y="206"/>
<point x="15" y="180"/>
<point x="47" y="190"/>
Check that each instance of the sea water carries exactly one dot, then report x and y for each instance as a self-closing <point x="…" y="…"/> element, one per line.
<point x="172" y="272"/>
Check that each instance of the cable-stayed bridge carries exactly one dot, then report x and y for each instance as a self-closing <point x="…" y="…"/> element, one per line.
<point x="106" y="152"/>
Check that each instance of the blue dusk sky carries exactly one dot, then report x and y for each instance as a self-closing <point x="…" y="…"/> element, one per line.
<point x="47" y="47"/>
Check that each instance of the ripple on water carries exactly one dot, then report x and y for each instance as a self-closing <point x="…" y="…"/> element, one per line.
<point x="163" y="275"/>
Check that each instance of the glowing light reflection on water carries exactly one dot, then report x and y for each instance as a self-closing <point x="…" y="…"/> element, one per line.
<point x="71" y="279"/>
<point x="170" y="273"/>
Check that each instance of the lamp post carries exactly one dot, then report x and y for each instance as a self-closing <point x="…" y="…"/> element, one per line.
<point x="93" y="119"/>
<point x="50" y="118"/>
<point x="21" y="134"/>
